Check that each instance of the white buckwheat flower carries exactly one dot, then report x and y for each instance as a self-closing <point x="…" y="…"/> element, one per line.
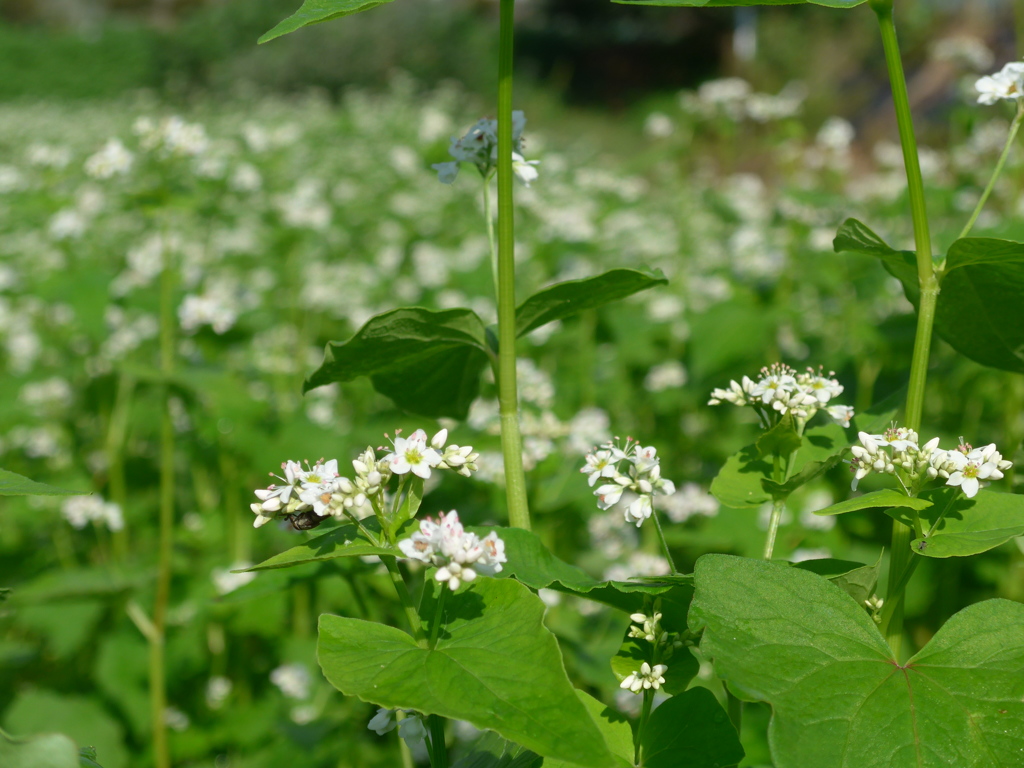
<point x="412" y="454"/>
<point x="113" y="159"/>
<point x="973" y="466"/>
<point x="645" y="678"/>
<point x="458" y="555"/>
<point x="642" y="477"/>
<point x="1007" y="83"/>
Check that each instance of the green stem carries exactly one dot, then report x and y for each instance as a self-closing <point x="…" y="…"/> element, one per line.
<point x="773" y="527"/>
<point x="661" y="538"/>
<point x="929" y="287"/>
<point x="645" y="715"/>
<point x="893" y="611"/>
<point x="405" y="599"/>
<point x="1014" y="127"/>
<point x="435" y="624"/>
<point x="157" y="680"/>
<point x="508" y="399"/>
<point x="491" y="241"/>
<point x="116" y="435"/>
<point x="438" y="751"/>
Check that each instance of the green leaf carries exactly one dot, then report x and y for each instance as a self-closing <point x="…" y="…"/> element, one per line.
<point x="980" y="310"/>
<point x="87" y="758"/>
<point x="47" y="750"/>
<point x="343" y="541"/>
<point x="839" y="698"/>
<point x="855" y="579"/>
<point x="969" y="526"/>
<point x="492" y="751"/>
<point x="855" y="236"/>
<point x="781" y="440"/>
<point x="883" y="499"/>
<point x="574" y="296"/>
<point x="615" y="728"/>
<point x="428" y="363"/>
<point x="634" y="651"/>
<point x="83" y="719"/>
<point x="690" y="730"/>
<point x="495" y="665"/>
<point x="734" y="3"/>
<point x="738" y="483"/>
<point x="530" y="562"/>
<point x="12" y="484"/>
<point x="316" y="11"/>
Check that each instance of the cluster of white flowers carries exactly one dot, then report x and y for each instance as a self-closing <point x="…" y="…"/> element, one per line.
<point x="1007" y="83"/>
<point x="458" y="555"/>
<point x="647" y="627"/>
<point x="780" y="388"/>
<point x="480" y="147"/>
<point x="306" y="494"/>
<point x="642" y="477"/>
<point x="171" y="137"/>
<point x="293" y="680"/>
<point x="410" y="727"/>
<point x="896" y="452"/>
<point x="114" y="159"/>
<point x="82" y="510"/>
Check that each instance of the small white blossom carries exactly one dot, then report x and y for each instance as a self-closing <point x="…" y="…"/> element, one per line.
<point x="412" y="454"/>
<point x="113" y="159"/>
<point x="79" y="511"/>
<point x="293" y="680"/>
<point x="642" y="477"/>
<point x="645" y="678"/>
<point x="780" y="389"/>
<point x="1007" y="83"/>
<point x="458" y="555"/>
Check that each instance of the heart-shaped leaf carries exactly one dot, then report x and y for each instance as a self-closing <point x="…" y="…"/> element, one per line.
<point x="47" y="750"/>
<point x="343" y="541"/>
<point x="12" y="484"/>
<point x="980" y="310"/>
<point x="883" y="499"/>
<point x="781" y="440"/>
<point x="733" y="3"/>
<point x="966" y="526"/>
<point x="495" y="665"/>
<point x="839" y="698"/>
<point x="574" y="296"/>
<point x="316" y="11"/>
<point x="428" y="362"/>
<point x="738" y="483"/>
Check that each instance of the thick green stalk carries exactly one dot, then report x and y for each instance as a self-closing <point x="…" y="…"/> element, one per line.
<point x="929" y="285"/>
<point x="157" y="680"/>
<point x="508" y="398"/>
<point x="438" y="750"/>
<point x="406" y="599"/>
<point x="1014" y="127"/>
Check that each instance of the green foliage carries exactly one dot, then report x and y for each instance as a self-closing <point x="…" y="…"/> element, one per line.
<point x="83" y="719"/>
<point x="979" y="311"/>
<point x="428" y="362"/>
<point x="12" y="484"/>
<point x="571" y="297"/>
<point x="790" y="638"/>
<point x="965" y="526"/>
<point x="883" y="499"/>
<point x="734" y="3"/>
<point x="615" y="729"/>
<point x="494" y="665"/>
<point x="48" y="750"/>
<point x="739" y="481"/>
<point x="344" y="541"/>
<point x="682" y="665"/>
<point x="780" y="440"/>
<point x="856" y="580"/>
<point x="316" y="11"/>
<point x="492" y="751"/>
<point x="690" y="730"/>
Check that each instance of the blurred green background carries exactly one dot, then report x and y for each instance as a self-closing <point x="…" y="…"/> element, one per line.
<point x="722" y="147"/>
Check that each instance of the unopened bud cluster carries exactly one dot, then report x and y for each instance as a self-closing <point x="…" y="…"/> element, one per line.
<point x="779" y="390"/>
<point x="459" y="555"/>
<point x="479" y="147"/>
<point x="896" y="452"/>
<point x="410" y="727"/>
<point x="641" y="476"/>
<point x="307" y="493"/>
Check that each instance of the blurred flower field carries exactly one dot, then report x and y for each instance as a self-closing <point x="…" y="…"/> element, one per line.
<point x="290" y="223"/>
